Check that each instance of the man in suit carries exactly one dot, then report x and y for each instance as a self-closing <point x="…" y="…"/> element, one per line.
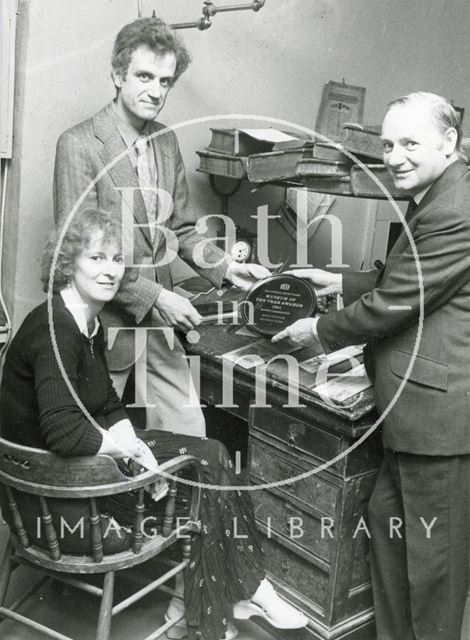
<point x="418" y="355"/>
<point x="124" y="161"/>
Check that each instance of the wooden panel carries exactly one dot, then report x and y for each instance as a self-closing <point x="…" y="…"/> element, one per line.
<point x="211" y="394"/>
<point x="361" y="569"/>
<point x="268" y="467"/>
<point x="351" y="630"/>
<point x="293" y="524"/>
<point x="297" y="435"/>
<point x="309" y="584"/>
<point x="364" y="458"/>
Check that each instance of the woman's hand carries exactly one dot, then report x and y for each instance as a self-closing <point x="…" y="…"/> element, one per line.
<point x="127" y="444"/>
<point x="120" y="441"/>
<point x="121" y="436"/>
<point x="148" y="462"/>
<point x="145" y="457"/>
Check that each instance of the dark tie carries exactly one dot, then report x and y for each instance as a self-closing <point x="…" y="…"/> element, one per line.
<point x="411" y="209"/>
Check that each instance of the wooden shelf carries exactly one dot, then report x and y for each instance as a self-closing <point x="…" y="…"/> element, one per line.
<point x="357" y="184"/>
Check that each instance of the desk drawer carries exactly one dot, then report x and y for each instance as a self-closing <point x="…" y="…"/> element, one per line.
<point x="301" y="529"/>
<point x="267" y="467"/>
<point x="308" y="581"/>
<point x="296" y="434"/>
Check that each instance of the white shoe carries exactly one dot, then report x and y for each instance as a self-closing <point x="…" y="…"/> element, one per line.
<point x="180" y="630"/>
<point x="271" y="607"/>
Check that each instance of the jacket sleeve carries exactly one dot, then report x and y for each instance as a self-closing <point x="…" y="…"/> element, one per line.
<point x="73" y="177"/>
<point x="357" y="284"/>
<point x="137" y="294"/>
<point x="441" y="240"/>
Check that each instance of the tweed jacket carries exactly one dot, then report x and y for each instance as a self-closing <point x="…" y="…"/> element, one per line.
<point x="429" y="413"/>
<point x="93" y="170"/>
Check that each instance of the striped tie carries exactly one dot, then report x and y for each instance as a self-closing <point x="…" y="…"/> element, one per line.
<point x="147" y="185"/>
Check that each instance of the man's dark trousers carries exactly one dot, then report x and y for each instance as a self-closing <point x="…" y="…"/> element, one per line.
<point x="417" y="489"/>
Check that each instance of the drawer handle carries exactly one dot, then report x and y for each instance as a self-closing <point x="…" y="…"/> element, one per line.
<point x="285" y="566"/>
<point x="292" y="439"/>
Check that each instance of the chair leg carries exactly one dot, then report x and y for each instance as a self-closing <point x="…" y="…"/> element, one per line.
<point x="104" y="620"/>
<point x="5" y="572"/>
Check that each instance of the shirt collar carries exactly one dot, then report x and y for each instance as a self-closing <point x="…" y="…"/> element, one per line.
<point x="420" y="195"/>
<point x="128" y="132"/>
<point x="76" y="306"/>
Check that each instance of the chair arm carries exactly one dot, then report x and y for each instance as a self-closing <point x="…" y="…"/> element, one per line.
<point x="112" y="487"/>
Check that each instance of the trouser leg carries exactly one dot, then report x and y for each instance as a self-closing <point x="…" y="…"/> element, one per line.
<point x="420" y="581"/>
<point x="388" y="556"/>
<point x="436" y="494"/>
<point x="163" y="383"/>
<point x="172" y="398"/>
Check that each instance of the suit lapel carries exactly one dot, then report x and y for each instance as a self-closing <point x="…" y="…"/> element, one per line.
<point x="445" y="181"/>
<point x="165" y="182"/>
<point x="122" y="172"/>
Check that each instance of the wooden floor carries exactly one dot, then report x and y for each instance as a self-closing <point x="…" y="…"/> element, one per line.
<point x="73" y="612"/>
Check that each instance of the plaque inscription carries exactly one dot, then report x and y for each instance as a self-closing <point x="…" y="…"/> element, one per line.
<point x="276" y="302"/>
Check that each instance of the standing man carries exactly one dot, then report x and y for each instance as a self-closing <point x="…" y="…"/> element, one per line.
<point x="419" y="509"/>
<point x="122" y="160"/>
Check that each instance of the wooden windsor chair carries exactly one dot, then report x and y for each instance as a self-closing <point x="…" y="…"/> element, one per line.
<point x="44" y="478"/>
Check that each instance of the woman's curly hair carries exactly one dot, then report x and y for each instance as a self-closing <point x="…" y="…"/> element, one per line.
<point x="77" y="238"/>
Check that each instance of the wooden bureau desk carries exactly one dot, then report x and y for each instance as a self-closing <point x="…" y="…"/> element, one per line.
<point x="315" y="555"/>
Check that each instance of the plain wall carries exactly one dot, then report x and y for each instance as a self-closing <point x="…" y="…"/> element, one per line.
<point x="273" y="64"/>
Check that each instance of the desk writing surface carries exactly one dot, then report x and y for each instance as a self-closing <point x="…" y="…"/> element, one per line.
<point x="352" y="417"/>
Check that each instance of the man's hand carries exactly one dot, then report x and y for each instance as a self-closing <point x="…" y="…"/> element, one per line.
<point x="324" y="282"/>
<point x="302" y="332"/>
<point x="244" y="275"/>
<point x="177" y="311"/>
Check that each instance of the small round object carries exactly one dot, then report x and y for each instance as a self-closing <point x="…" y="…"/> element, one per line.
<point x="193" y="336"/>
<point x="241" y="251"/>
<point x="274" y="303"/>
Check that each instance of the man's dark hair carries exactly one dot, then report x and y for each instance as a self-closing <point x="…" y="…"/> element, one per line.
<point x="154" y="34"/>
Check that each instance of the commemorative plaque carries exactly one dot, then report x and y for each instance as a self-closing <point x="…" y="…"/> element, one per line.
<point x="276" y="302"/>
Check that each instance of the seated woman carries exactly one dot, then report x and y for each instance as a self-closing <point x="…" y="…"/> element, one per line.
<point x="56" y="394"/>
